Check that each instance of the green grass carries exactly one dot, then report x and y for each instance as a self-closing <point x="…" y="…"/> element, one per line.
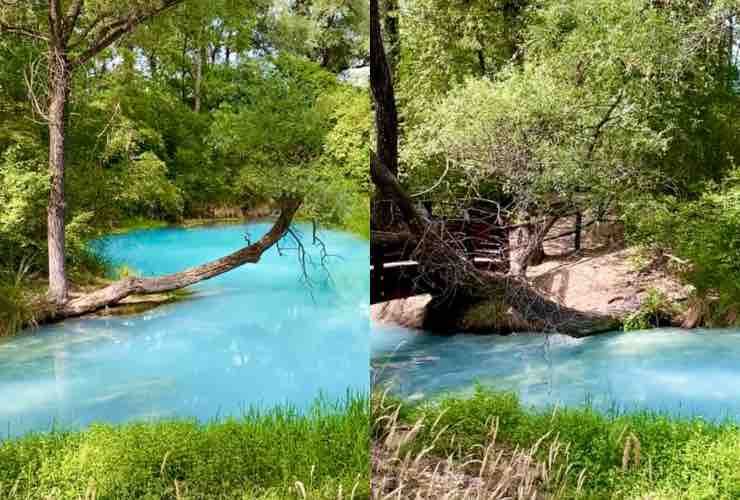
<point x="258" y="455"/>
<point x="630" y="456"/>
<point x="15" y="308"/>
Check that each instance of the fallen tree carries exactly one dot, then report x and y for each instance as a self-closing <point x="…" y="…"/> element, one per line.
<point x="114" y="293"/>
<point x="445" y="266"/>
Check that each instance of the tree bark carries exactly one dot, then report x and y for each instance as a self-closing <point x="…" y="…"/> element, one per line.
<point x="381" y="79"/>
<point x="114" y="293"/>
<point x="392" y="33"/>
<point x="59" y="81"/>
<point x="526" y="246"/>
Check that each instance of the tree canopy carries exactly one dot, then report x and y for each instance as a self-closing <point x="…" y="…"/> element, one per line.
<point x="549" y="108"/>
<point x="178" y="109"/>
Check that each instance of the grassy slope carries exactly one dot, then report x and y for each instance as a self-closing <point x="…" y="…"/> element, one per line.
<point x="669" y="459"/>
<point x="260" y="455"/>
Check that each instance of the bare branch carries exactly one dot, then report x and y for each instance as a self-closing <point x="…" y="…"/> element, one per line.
<point x="21" y="31"/>
<point x="70" y="20"/>
<point x="598" y="129"/>
<point x="30" y="79"/>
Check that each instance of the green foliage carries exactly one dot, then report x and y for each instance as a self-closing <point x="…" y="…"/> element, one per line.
<point x="23" y="193"/>
<point x="146" y="190"/>
<point x="704" y="232"/>
<point x="596" y="102"/>
<point x="15" y="309"/>
<point x="259" y="454"/>
<point x="668" y="458"/>
<point x="296" y="131"/>
<point x="347" y="143"/>
<point x="331" y="33"/>
<point x="655" y="310"/>
<point x="275" y="134"/>
<point x="443" y="41"/>
<point x="271" y="120"/>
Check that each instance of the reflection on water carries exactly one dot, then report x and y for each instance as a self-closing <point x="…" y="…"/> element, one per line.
<point x="668" y="370"/>
<point x="255" y="336"/>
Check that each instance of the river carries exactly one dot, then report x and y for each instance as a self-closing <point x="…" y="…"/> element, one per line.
<point x="255" y="337"/>
<point x="672" y="371"/>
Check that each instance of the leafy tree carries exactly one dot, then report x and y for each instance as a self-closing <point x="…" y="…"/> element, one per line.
<point x="599" y="108"/>
<point x="74" y="32"/>
<point x="332" y="33"/>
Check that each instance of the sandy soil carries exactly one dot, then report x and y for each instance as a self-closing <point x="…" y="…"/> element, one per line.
<point x="603" y="276"/>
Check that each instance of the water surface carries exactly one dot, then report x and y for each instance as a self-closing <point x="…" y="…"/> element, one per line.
<point x="680" y="372"/>
<point x="257" y="336"/>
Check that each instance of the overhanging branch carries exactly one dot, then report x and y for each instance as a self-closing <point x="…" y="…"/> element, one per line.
<point x="117" y="28"/>
<point x="115" y="292"/>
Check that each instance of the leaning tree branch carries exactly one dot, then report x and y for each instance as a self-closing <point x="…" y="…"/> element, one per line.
<point x="115" y="292"/>
<point x="117" y="28"/>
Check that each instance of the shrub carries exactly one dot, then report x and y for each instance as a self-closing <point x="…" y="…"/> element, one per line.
<point x="655" y="310"/>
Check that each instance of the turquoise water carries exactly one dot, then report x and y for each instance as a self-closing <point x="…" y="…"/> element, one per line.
<point x="679" y="372"/>
<point x="257" y="336"/>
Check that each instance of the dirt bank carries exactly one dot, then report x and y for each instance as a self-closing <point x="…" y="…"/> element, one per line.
<point x="604" y="278"/>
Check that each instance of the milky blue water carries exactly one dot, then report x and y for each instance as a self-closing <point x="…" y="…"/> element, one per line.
<point x="679" y="372"/>
<point x="257" y="336"/>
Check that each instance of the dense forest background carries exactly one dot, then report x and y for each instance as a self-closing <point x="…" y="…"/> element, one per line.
<point x="211" y="109"/>
<point x="628" y="110"/>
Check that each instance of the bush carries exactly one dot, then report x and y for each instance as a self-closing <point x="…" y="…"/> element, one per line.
<point x="655" y="310"/>
<point x="705" y="232"/>
<point x="146" y="190"/>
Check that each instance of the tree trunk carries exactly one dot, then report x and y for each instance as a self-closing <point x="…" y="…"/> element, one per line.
<point x="59" y="81"/>
<point x="114" y="293"/>
<point x="386" y="114"/>
<point x="578" y="232"/>
<point x="526" y="246"/>
<point x="153" y="65"/>
<point x="392" y="33"/>
<point x="482" y="62"/>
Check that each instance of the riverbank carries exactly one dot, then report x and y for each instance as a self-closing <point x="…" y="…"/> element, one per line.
<point x="626" y="286"/>
<point x="22" y="299"/>
<point x="278" y="454"/>
<point x="490" y="440"/>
